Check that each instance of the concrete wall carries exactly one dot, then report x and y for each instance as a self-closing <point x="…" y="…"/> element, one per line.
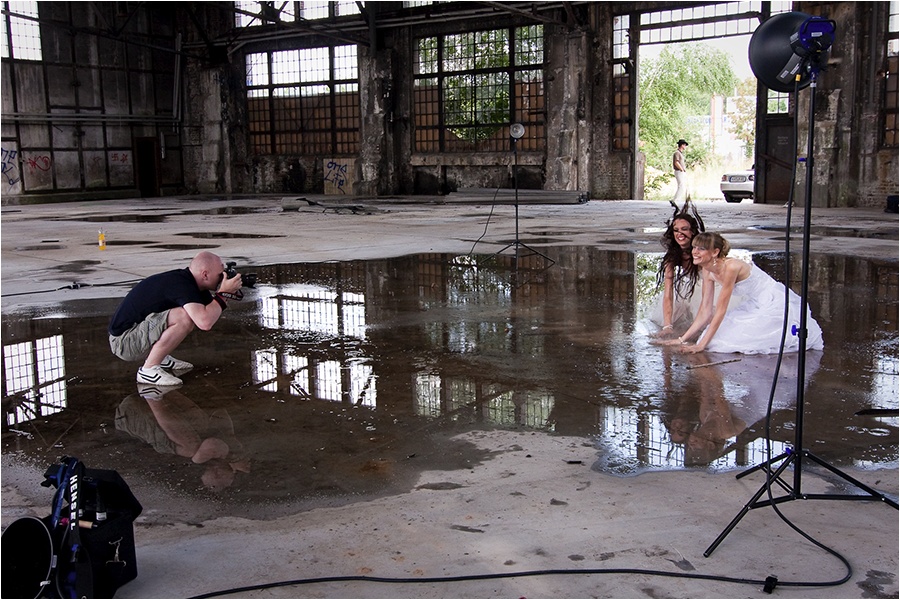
<point x="73" y="123"/>
<point x="851" y="166"/>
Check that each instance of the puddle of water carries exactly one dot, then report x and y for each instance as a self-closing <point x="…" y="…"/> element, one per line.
<point x="224" y="235"/>
<point x="110" y="242"/>
<point x="182" y="246"/>
<point x="39" y="247"/>
<point x="835" y="232"/>
<point x="337" y="380"/>
<point x="232" y="210"/>
<point x="124" y="218"/>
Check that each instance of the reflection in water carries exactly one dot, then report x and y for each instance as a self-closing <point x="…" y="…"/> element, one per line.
<point x="350" y="378"/>
<point x="172" y="424"/>
<point x="34" y="379"/>
<point x="713" y="414"/>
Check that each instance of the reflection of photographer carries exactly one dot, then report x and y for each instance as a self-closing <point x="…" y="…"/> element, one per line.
<point x="160" y="311"/>
<point x="172" y="424"/>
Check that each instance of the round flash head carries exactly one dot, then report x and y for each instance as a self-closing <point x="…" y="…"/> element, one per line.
<point x="787" y="46"/>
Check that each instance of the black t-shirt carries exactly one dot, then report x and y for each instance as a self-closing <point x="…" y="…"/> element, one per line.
<point x="155" y="294"/>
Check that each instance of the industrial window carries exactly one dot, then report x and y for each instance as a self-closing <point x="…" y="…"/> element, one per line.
<point x="890" y="138"/>
<point x="622" y="117"/>
<point x="21" y="31"/>
<point x="250" y="13"/>
<point x="469" y="87"/>
<point x="304" y="101"/>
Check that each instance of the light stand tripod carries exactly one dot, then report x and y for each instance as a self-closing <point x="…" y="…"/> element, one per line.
<point x="516" y="131"/>
<point x="798" y="455"/>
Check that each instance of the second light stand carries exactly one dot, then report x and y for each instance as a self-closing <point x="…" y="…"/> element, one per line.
<point x="516" y="131"/>
<point x="797" y="455"/>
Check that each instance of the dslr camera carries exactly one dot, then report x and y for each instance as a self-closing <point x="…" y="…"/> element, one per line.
<point x="247" y="279"/>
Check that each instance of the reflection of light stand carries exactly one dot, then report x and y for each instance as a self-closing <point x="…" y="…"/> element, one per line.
<point x="806" y="48"/>
<point x="516" y="131"/>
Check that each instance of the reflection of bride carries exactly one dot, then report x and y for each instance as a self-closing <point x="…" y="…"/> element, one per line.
<point x="710" y="418"/>
<point x="173" y="424"/>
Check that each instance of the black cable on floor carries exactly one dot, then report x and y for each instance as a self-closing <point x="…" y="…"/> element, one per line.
<point x="491" y="214"/>
<point x="768" y="584"/>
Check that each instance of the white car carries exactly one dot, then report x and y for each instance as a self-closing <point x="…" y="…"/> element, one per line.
<point x="737" y="185"/>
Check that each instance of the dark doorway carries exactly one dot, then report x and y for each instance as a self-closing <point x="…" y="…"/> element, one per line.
<point x="774" y="167"/>
<point x="147" y="165"/>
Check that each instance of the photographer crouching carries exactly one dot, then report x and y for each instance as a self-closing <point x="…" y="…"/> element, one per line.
<point x="160" y="311"/>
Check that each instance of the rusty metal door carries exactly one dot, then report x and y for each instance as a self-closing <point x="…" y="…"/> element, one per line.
<point x="774" y="165"/>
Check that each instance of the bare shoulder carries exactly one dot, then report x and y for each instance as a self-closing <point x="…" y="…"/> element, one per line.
<point x="739" y="269"/>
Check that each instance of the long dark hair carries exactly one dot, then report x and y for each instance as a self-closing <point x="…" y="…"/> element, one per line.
<point x="686" y="272"/>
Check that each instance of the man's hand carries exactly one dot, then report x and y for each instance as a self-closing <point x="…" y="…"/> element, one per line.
<point x="230" y="286"/>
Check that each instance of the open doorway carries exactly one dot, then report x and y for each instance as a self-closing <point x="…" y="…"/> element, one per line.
<point x="702" y="92"/>
<point x="695" y="83"/>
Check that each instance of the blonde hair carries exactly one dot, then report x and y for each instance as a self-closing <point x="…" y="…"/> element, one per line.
<point x="709" y="240"/>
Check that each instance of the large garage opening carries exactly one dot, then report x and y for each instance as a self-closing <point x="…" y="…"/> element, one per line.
<point x="695" y="84"/>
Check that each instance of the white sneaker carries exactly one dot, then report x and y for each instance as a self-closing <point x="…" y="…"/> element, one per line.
<point x="178" y="367"/>
<point x="149" y="391"/>
<point x="157" y="376"/>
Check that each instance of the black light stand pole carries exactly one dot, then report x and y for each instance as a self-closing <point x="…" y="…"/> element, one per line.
<point x="517" y="131"/>
<point x="797" y="454"/>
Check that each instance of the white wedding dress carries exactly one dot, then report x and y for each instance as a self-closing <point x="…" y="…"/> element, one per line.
<point x="753" y="325"/>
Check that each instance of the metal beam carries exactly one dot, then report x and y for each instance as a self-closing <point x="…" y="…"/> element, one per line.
<point x="532" y="14"/>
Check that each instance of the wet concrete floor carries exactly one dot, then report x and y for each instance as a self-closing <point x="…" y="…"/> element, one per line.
<point x="349" y="378"/>
<point x="341" y="381"/>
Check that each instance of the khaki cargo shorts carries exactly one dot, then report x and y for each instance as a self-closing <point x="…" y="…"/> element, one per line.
<point x="135" y="343"/>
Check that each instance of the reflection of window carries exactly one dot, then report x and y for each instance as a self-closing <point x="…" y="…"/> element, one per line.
<point x="469" y="87"/>
<point x="304" y="101"/>
<point x="331" y="380"/>
<point x="325" y="313"/>
<point x="21" y="34"/>
<point x="458" y="396"/>
<point x="637" y="438"/>
<point x="317" y="310"/>
<point x="35" y="377"/>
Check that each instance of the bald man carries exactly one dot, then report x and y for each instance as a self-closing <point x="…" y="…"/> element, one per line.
<point x="160" y="311"/>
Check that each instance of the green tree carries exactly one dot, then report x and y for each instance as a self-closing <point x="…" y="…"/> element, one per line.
<point x="674" y="90"/>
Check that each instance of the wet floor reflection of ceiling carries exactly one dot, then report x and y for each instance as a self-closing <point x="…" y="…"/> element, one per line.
<point x="341" y="379"/>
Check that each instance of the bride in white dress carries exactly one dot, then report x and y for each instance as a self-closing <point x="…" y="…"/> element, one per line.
<point x="753" y="326"/>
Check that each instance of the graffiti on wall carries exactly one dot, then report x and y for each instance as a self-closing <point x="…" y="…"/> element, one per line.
<point x="38" y="162"/>
<point x="122" y="158"/>
<point x="336" y="174"/>
<point x="10" y="167"/>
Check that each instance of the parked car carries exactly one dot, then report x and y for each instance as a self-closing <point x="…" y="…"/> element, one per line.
<point x="737" y="185"/>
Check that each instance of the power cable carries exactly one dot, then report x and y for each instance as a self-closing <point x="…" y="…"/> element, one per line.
<point x="787" y="276"/>
<point x="72" y="286"/>
<point x="768" y="583"/>
<point x="490" y="215"/>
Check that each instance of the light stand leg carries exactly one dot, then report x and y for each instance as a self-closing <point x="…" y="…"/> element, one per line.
<point x="797" y="455"/>
<point x="753" y="502"/>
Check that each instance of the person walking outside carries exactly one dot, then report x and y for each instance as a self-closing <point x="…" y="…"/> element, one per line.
<point x="680" y="167"/>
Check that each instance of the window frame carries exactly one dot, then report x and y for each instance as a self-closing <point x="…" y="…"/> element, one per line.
<point x="304" y="111"/>
<point x="519" y="70"/>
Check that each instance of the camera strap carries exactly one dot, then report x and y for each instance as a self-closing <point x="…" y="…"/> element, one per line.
<point x="238" y="295"/>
